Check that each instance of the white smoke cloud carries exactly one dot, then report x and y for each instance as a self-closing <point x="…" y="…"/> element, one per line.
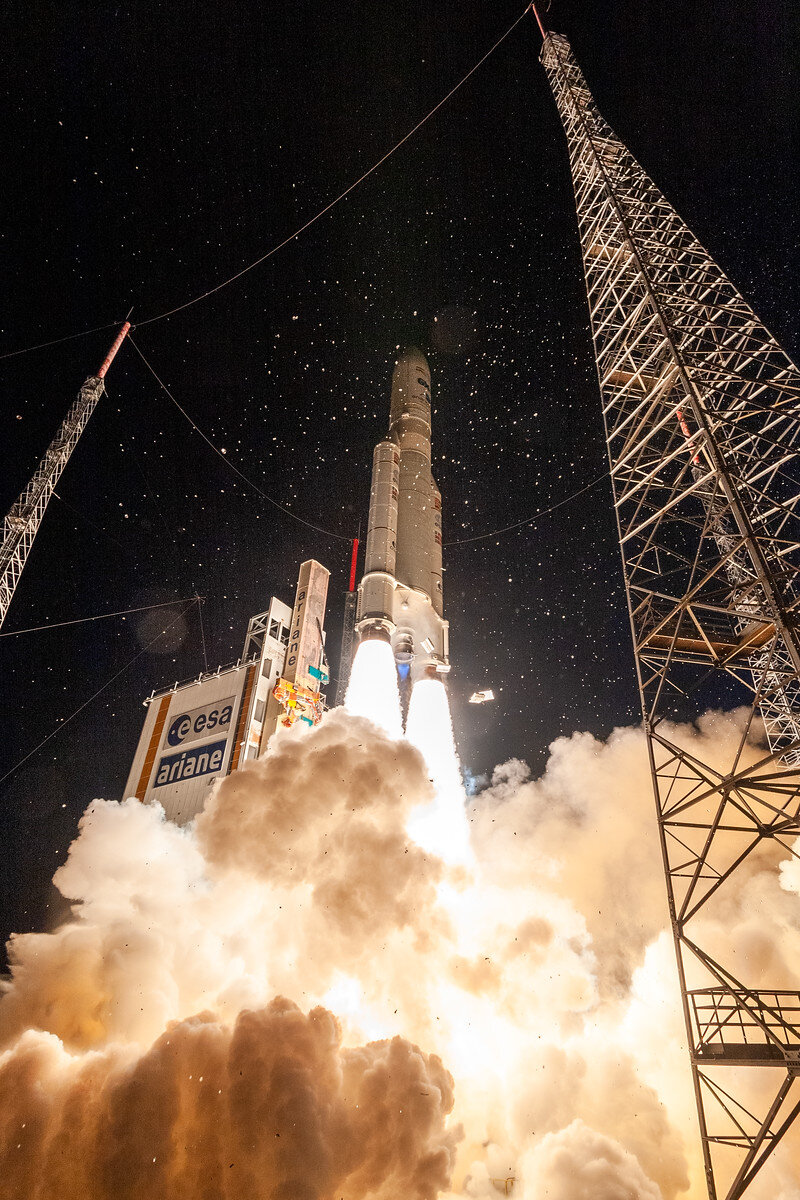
<point x="579" y="1164"/>
<point x="514" y="1018"/>
<point x="271" y="1106"/>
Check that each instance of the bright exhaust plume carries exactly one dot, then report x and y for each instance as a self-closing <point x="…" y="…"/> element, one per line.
<point x="440" y="826"/>
<point x="372" y="690"/>
<point x="295" y="1000"/>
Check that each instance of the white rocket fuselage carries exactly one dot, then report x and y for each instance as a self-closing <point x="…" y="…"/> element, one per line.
<point x="400" y="595"/>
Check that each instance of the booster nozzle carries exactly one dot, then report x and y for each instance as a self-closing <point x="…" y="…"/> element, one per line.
<point x="376" y="631"/>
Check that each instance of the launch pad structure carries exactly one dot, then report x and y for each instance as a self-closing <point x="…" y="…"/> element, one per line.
<point x="201" y="730"/>
<point x="702" y="419"/>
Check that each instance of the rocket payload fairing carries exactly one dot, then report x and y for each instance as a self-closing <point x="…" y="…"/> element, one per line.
<point x="400" y="596"/>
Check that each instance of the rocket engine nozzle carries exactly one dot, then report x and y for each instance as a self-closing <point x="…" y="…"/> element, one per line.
<point x="375" y="631"/>
<point x="404" y="645"/>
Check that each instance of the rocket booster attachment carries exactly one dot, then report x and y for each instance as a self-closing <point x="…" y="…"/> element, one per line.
<point x="400" y="596"/>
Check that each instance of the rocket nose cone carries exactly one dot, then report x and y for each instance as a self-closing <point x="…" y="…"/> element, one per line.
<point x="414" y="358"/>
<point x="411" y="396"/>
<point x="411" y="380"/>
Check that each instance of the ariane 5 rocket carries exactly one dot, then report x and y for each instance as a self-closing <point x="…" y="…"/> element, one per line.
<point x="400" y="596"/>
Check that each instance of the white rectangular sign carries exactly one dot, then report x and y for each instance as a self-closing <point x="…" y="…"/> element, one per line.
<point x="187" y="764"/>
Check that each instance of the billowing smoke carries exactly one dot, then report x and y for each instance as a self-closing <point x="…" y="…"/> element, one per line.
<point x="579" y="1164"/>
<point x="270" y="1106"/>
<point x="295" y="1000"/>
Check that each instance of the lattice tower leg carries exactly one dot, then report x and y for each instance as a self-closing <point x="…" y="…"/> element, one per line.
<point x="702" y="418"/>
<point x="23" y="519"/>
<point x="348" y="646"/>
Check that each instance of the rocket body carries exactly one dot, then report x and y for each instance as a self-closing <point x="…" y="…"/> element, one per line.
<point x="400" y="596"/>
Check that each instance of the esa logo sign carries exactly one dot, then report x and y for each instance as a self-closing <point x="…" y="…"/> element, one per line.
<point x="200" y="723"/>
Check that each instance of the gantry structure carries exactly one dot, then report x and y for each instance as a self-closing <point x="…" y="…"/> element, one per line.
<point x="348" y="630"/>
<point x="22" y="521"/>
<point x="702" y="419"/>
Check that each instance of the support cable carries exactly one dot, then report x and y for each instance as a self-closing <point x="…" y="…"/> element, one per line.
<point x="199" y="600"/>
<point x="479" y="537"/>
<point x="78" y="513"/>
<point x="342" y="537"/>
<point x="543" y="512"/>
<point x="257" y="262"/>
<point x="94" y="696"/>
<point x="123" y="612"/>
<point x="307" y="225"/>
<point x="70" y="337"/>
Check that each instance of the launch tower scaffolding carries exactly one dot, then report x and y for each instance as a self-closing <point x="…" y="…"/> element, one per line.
<point x="22" y="521"/>
<point x="702" y="419"/>
<point x="348" y="629"/>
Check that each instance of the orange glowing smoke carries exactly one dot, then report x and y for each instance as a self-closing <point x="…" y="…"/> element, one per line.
<point x="505" y="1014"/>
<point x="271" y="1106"/>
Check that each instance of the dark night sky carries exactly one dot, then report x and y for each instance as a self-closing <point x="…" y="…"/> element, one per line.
<point x="151" y="151"/>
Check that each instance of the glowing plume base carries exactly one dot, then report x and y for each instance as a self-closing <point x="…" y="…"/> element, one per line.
<point x="440" y="827"/>
<point x="372" y="691"/>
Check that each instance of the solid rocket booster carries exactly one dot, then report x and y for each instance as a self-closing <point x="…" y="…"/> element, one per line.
<point x="400" y="597"/>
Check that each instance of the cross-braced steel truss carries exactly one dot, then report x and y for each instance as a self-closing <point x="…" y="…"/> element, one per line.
<point x="22" y="521"/>
<point x="702" y="417"/>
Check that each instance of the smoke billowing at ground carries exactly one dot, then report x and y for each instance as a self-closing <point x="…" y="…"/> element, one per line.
<point x="296" y="1000"/>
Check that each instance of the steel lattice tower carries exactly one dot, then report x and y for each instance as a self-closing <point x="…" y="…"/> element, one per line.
<point x="702" y="419"/>
<point x="348" y="629"/>
<point x="22" y="521"/>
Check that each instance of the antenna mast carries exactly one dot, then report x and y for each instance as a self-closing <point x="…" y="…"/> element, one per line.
<point x="23" y="519"/>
